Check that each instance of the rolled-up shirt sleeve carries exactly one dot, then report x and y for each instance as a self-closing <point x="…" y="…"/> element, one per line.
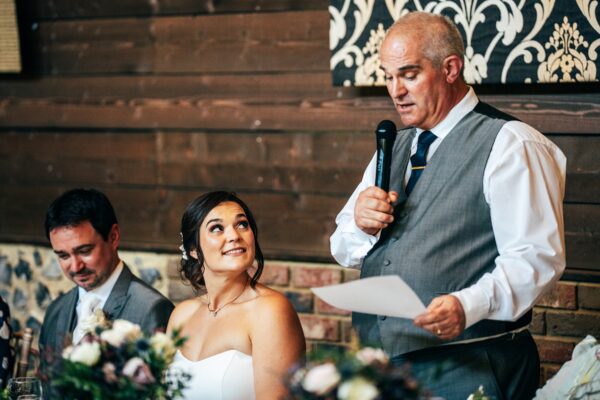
<point x="349" y="244"/>
<point x="524" y="184"/>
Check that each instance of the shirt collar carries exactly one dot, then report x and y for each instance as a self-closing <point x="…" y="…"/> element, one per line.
<point x="458" y="112"/>
<point x="103" y="291"/>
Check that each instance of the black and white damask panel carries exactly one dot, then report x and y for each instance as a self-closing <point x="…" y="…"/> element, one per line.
<point x="506" y="41"/>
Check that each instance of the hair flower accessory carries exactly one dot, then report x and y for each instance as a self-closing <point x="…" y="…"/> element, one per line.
<point x="182" y="248"/>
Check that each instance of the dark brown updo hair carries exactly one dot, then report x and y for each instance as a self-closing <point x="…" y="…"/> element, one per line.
<point x="192" y="269"/>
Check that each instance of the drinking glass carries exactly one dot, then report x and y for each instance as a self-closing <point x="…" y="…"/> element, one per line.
<point x="19" y="387"/>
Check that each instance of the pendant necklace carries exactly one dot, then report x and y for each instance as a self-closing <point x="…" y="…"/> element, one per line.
<point x="215" y="311"/>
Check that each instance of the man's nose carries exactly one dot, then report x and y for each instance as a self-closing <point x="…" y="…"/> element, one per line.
<point x="398" y="89"/>
<point x="77" y="264"/>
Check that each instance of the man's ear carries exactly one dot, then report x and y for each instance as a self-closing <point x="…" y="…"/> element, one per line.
<point x="452" y="67"/>
<point x="114" y="236"/>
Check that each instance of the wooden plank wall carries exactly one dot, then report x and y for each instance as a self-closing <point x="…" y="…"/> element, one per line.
<point x="154" y="102"/>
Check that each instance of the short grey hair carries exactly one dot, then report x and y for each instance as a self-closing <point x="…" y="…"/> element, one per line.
<point x="438" y="35"/>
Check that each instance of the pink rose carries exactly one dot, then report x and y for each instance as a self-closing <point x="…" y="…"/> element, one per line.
<point x="138" y="371"/>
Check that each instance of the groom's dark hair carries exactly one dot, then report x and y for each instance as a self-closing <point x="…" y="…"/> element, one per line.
<point x="78" y="205"/>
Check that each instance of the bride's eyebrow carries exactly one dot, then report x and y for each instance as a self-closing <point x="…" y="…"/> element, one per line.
<point x="214" y="220"/>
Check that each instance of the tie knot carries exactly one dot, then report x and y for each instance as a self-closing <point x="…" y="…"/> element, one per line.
<point x="426" y="138"/>
<point x="89" y="303"/>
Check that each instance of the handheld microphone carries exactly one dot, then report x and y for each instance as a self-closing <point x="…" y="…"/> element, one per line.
<point x="386" y="134"/>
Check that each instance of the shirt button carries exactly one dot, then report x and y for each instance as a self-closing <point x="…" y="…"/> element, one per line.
<point x="386" y="262"/>
<point x="382" y="317"/>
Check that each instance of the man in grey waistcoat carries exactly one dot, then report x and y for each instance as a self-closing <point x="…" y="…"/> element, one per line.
<point x="82" y="228"/>
<point x="473" y="222"/>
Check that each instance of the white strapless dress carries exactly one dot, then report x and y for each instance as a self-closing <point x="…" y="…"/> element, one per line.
<point x="224" y="376"/>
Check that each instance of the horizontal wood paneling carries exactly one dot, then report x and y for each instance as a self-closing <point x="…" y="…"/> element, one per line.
<point x="295" y="183"/>
<point x="155" y="102"/>
<point x="291" y="225"/>
<point x="61" y="9"/>
<point x="313" y="114"/>
<point x="287" y="41"/>
<point x="304" y="162"/>
<point x="293" y="85"/>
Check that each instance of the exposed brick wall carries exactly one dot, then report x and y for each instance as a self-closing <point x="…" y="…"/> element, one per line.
<point x="562" y="318"/>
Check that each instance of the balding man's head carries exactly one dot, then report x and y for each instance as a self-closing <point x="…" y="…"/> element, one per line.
<point x="437" y="35"/>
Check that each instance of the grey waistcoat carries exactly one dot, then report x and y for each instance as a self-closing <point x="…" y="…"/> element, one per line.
<point x="441" y="240"/>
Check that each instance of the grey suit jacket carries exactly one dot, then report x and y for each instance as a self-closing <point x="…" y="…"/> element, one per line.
<point x="131" y="299"/>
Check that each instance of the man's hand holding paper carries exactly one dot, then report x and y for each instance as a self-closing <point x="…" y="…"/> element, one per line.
<point x="381" y="295"/>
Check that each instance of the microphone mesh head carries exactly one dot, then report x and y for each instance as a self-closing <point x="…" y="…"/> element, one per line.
<point x="386" y="130"/>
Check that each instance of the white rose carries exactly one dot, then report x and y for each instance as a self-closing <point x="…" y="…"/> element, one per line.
<point x="96" y="319"/>
<point x="66" y="354"/>
<point x="87" y="353"/>
<point x="357" y="389"/>
<point x="121" y="331"/>
<point x="321" y="379"/>
<point x="162" y="344"/>
<point x="368" y="355"/>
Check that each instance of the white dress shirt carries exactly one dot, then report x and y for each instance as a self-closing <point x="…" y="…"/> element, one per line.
<point x="102" y="291"/>
<point x="524" y="185"/>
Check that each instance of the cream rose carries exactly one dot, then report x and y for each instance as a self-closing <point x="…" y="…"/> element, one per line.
<point x="97" y="319"/>
<point x="369" y="355"/>
<point x="357" y="389"/>
<point x="321" y="379"/>
<point x="87" y="353"/>
<point x="121" y="331"/>
<point x="162" y="344"/>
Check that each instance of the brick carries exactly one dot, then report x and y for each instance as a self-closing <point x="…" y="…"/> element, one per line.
<point x="320" y="328"/>
<point x="275" y="273"/>
<point x="589" y="296"/>
<point x="554" y="351"/>
<point x="578" y="324"/>
<point x="351" y="274"/>
<point x="307" y="277"/>
<point x="302" y="301"/>
<point x="538" y="322"/>
<point x="325" y="308"/>
<point x="563" y="295"/>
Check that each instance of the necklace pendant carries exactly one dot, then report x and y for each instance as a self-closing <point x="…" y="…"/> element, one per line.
<point x="214" y="314"/>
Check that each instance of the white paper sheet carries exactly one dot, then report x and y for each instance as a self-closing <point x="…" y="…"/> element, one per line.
<point x="381" y="295"/>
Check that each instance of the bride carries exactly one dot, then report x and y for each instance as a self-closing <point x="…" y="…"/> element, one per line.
<point x="242" y="337"/>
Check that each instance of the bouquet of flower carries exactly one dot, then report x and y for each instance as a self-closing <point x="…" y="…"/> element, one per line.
<point x="366" y="374"/>
<point x="116" y="361"/>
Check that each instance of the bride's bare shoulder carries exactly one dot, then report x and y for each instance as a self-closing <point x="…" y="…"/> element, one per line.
<point x="270" y="300"/>
<point x="184" y="311"/>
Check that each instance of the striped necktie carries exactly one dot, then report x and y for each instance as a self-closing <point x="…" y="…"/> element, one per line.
<point x="419" y="159"/>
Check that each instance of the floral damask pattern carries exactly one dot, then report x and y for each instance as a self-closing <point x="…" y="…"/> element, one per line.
<point x="566" y="63"/>
<point x="506" y="41"/>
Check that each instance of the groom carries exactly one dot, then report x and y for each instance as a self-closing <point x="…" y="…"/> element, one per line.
<point x="83" y="230"/>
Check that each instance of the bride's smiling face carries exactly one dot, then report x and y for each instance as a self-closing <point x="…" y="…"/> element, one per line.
<point x="226" y="239"/>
